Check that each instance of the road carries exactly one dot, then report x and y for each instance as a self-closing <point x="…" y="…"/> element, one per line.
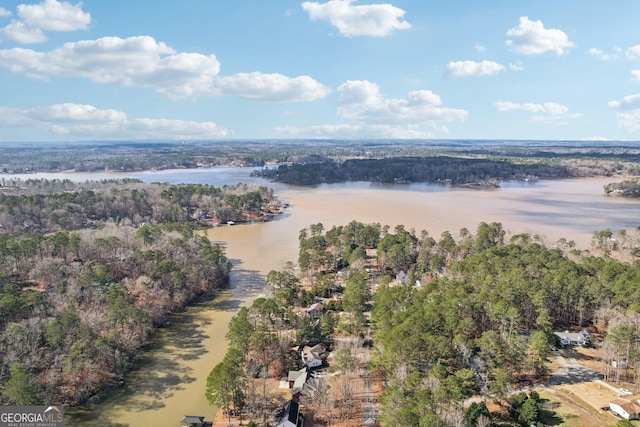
<point x="369" y="410"/>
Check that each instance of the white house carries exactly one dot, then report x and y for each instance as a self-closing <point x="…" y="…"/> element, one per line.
<point x="627" y="407"/>
<point x="314" y="356"/>
<point x="573" y="338"/>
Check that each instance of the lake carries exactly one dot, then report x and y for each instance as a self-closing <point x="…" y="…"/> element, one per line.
<point x="169" y="381"/>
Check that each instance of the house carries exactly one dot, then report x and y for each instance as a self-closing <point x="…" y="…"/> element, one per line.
<point x="289" y="415"/>
<point x="401" y="277"/>
<point x="573" y="338"/>
<point x="315" y="310"/>
<point x="627" y="407"/>
<point x="314" y="356"/>
<point x="192" y="421"/>
<point x="297" y="379"/>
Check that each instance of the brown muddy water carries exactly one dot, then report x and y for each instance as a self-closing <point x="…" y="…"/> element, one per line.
<point x="170" y="378"/>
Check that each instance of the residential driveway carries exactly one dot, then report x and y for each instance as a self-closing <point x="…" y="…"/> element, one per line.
<point x="570" y="372"/>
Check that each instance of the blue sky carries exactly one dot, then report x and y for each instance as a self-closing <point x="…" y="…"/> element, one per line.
<point x="344" y="69"/>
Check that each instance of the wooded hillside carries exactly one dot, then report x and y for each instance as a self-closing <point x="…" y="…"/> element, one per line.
<point x="87" y="271"/>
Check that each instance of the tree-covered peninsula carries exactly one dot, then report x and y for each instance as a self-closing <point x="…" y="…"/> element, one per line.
<point x="437" y="169"/>
<point x="87" y="271"/>
<point x="443" y="318"/>
<point x="628" y="188"/>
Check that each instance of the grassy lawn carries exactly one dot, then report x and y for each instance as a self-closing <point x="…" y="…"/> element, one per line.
<point x="569" y="411"/>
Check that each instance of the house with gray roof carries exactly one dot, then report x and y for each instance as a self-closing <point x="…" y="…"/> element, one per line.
<point x="573" y="338"/>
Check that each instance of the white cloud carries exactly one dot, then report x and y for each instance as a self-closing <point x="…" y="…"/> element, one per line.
<point x="551" y="108"/>
<point x="550" y="112"/>
<point x="49" y="15"/>
<point x="378" y="20"/>
<point x="19" y="32"/>
<point x="144" y="62"/>
<point x="180" y="129"/>
<point x="633" y="52"/>
<point x="595" y="52"/>
<point x="271" y="87"/>
<point x="531" y="38"/>
<point x="52" y="15"/>
<point x="87" y="122"/>
<point x="595" y="138"/>
<point x="135" y="61"/>
<point x="370" y="114"/>
<point x="629" y="120"/>
<point x="4" y="13"/>
<point x="472" y="68"/>
<point x="355" y="131"/>
<point x="69" y="112"/>
<point x="629" y="102"/>
<point x="628" y="112"/>
<point x="517" y="66"/>
<point x="480" y="48"/>
<point x="636" y="74"/>
<point x="362" y="102"/>
<point x="359" y="92"/>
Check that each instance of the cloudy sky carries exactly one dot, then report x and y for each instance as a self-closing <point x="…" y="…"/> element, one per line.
<point x="256" y="69"/>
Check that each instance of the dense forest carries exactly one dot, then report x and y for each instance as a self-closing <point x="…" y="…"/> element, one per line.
<point x="87" y="271"/>
<point x="451" y="316"/>
<point x="440" y="169"/>
<point x="42" y="206"/>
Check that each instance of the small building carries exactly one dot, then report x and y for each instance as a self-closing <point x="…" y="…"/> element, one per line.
<point x="192" y="421"/>
<point x="627" y="407"/>
<point x="289" y="415"/>
<point x="315" y="356"/>
<point x="573" y="338"/>
<point x="315" y="310"/>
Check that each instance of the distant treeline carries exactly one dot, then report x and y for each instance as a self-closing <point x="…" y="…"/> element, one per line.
<point x="442" y="169"/>
<point x="87" y="271"/>
<point x="607" y="157"/>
